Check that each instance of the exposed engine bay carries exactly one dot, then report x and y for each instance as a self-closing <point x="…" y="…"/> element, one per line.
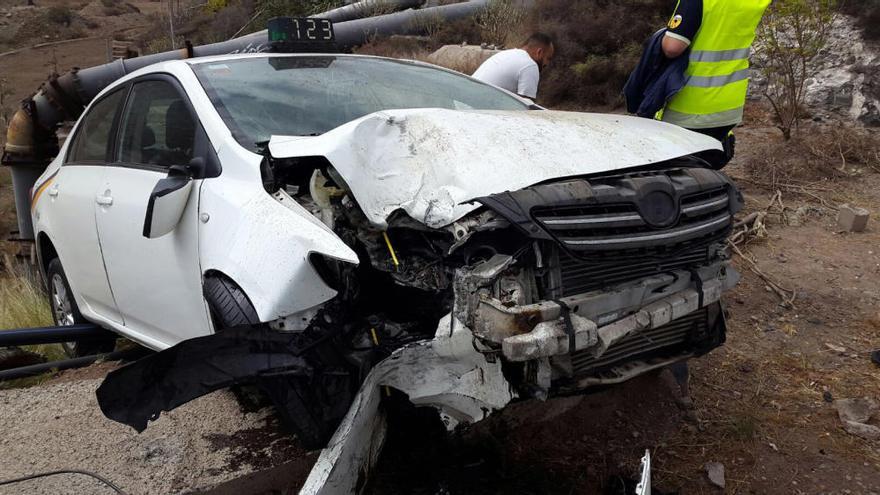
<point x="567" y="283"/>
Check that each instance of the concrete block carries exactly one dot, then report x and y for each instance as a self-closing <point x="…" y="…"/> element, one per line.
<point x="852" y="219"/>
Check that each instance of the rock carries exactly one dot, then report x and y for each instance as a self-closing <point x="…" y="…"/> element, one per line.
<point x="803" y="213"/>
<point x="715" y="471"/>
<point x="855" y="415"/>
<point x="845" y="78"/>
<point x="827" y="397"/>
<point x="852" y="219"/>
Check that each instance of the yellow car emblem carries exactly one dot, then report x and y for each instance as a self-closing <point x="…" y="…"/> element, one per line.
<point x="675" y="22"/>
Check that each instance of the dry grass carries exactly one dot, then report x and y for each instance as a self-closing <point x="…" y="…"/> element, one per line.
<point x="397" y="47"/>
<point x="821" y="155"/>
<point x="22" y="300"/>
<point x="501" y="23"/>
<point x="23" y="305"/>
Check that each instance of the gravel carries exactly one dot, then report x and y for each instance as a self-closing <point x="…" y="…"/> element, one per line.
<point x="200" y="444"/>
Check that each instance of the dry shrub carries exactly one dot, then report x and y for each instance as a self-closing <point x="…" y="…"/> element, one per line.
<point x="500" y="22"/>
<point x="457" y="32"/>
<point x="397" y="47"/>
<point x="60" y="15"/>
<point x="54" y="23"/>
<point x="427" y="24"/>
<point x="598" y="45"/>
<point x="852" y="148"/>
<point x="375" y="8"/>
<point x="827" y="153"/>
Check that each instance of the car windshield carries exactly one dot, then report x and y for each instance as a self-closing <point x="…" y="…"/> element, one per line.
<point x="308" y="96"/>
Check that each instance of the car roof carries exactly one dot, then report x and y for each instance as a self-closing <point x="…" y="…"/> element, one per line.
<point x="174" y="66"/>
<point x="239" y="56"/>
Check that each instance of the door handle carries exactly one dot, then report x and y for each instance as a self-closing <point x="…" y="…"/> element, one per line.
<point x="53" y="191"/>
<point x="104" y="200"/>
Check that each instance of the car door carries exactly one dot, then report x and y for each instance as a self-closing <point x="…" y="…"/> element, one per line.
<point x="157" y="282"/>
<point x="72" y="197"/>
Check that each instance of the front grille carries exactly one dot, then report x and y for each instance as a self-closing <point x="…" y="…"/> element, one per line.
<point x="604" y="227"/>
<point x="577" y="276"/>
<point x="668" y="339"/>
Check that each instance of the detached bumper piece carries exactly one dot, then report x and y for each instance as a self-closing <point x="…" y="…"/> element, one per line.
<point x="309" y="386"/>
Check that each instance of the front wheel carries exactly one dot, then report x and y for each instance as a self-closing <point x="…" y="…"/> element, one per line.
<point x="65" y="312"/>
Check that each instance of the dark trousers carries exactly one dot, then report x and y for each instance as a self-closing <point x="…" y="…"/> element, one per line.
<point x="718" y="159"/>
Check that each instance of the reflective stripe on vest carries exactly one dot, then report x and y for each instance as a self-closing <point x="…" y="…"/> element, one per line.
<point x="718" y="68"/>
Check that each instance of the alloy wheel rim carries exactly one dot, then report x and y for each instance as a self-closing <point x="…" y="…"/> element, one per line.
<point x="62" y="308"/>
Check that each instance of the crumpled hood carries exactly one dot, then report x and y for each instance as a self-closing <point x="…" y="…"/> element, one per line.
<point x="431" y="162"/>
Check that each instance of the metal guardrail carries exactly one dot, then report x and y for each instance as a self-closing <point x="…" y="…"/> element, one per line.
<point x="51" y="335"/>
<point x="39" y="369"/>
<point x="54" y="335"/>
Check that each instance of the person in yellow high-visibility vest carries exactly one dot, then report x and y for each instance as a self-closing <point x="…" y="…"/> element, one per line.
<point x="719" y="34"/>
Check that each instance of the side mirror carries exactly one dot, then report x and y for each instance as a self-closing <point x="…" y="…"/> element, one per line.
<point x="168" y="200"/>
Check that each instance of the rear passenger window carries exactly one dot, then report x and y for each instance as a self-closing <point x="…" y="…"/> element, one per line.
<point x="157" y="127"/>
<point x="92" y="139"/>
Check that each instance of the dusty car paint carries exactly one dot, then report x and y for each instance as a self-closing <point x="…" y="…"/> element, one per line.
<point x="432" y="162"/>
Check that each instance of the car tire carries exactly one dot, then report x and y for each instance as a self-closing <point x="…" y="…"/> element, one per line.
<point x="65" y="312"/>
<point x="230" y="306"/>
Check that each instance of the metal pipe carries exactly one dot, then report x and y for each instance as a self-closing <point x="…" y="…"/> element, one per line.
<point x="51" y="335"/>
<point x="408" y="22"/>
<point x="31" y="141"/>
<point x="366" y="9"/>
<point x="39" y="369"/>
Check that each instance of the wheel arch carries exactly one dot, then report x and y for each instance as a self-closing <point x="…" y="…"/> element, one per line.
<point x="46" y="252"/>
<point x="215" y="273"/>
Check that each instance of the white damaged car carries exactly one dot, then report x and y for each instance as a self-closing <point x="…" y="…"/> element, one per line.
<point x="325" y="226"/>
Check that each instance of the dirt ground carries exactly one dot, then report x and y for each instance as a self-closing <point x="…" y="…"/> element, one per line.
<point x="207" y="442"/>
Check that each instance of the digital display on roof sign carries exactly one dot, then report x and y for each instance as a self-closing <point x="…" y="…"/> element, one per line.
<point x="300" y="30"/>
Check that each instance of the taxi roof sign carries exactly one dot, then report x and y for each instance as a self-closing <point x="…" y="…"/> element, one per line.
<point x="300" y="34"/>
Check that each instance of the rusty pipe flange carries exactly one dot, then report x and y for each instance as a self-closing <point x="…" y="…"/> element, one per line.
<point x="26" y="141"/>
<point x="20" y="133"/>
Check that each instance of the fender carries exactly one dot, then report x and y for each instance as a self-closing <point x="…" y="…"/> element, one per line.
<point x="264" y="241"/>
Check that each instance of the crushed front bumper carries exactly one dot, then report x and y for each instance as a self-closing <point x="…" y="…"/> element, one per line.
<point x="459" y="372"/>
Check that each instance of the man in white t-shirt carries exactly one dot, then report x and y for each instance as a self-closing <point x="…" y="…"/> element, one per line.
<point x="519" y="70"/>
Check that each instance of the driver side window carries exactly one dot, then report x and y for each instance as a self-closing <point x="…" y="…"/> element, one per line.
<point x="92" y="139"/>
<point x="157" y="128"/>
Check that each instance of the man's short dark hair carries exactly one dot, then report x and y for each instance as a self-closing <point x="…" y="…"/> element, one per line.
<point x="539" y="39"/>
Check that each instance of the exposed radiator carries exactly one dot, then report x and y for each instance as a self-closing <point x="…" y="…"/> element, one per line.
<point x="669" y="338"/>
